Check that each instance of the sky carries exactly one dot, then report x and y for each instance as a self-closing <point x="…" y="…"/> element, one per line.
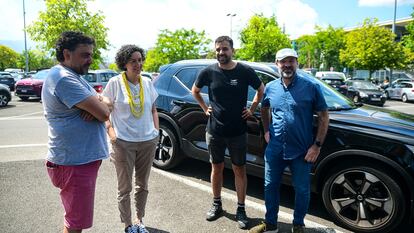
<point x="140" y="21"/>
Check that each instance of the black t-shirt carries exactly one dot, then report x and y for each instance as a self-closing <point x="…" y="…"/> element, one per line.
<point x="227" y="92"/>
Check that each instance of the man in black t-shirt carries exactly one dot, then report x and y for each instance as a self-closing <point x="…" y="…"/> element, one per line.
<point x="228" y="83"/>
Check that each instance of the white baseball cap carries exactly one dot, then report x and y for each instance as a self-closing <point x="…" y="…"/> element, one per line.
<point x="284" y="53"/>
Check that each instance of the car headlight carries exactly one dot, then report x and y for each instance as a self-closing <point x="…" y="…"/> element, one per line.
<point x="363" y="94"/>
<point x="384" y="95"/>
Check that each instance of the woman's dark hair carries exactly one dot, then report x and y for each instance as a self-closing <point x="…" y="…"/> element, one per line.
<point x="224" y="38"/>
<point x="124" y="54"/>
<point x="70" y="40"/>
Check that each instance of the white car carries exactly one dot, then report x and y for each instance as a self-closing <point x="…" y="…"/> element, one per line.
<point x="401" y="90"/>
<point x="330" y="74"/>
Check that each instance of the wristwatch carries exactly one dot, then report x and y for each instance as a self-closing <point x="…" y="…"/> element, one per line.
<point x="318" y="143"/>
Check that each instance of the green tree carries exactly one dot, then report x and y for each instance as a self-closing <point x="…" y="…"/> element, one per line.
<point x="409" y="38"/>
<point x="8" y="58"/>
<point x="321" y="49"/>
<point x="260" y="39"/>
<point x="38" y="59"/>
<point x="330" y="41"/>
<point x="176" y="45"/>
<point x="372" y="47"/>
<point x="64" y="15"/>
<point x="309" y="51"/>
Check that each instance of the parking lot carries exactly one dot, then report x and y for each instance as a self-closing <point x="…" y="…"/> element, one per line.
<point x="177" y="202"/>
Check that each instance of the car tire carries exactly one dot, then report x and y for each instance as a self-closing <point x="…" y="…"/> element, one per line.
<point x="167" y="154"/>
<point x="364" y="199"/>
<point x="4" y="99"/>
<point x="404" y="98"/>
<point x="24" y="98"/>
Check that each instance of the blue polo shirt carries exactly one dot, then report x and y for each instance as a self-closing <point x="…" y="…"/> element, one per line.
<point x="292" y="108"/>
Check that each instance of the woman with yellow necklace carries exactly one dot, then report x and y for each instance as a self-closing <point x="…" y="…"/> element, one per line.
<point x="133" y="131"/>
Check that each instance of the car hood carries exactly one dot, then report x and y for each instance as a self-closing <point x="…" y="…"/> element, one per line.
<point x="375" y="120"/>
<point x="29" y="81"/>
<point x="371" y="91"/>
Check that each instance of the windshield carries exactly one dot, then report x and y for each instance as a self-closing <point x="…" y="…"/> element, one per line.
<point x="334" y="99"/>
<point x="41" y="74"/>
<point x="364" y="85"/>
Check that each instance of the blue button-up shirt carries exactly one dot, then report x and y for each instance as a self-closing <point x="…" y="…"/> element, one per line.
<point x="292" y="108"/>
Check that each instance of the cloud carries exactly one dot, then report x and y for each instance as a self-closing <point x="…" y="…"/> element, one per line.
<point x="376" y="3"/>
<point x="297" y="17"/>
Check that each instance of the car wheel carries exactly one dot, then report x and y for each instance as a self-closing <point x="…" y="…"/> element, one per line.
<point x="356" y="99"/>
<point x="24" y="98"/>
<point x="364" y="199"/>
<point x="387" y="95"/>
<point x="404" y="98"/>
<point x="4" y="100"/>
<point x="167" y="154"/>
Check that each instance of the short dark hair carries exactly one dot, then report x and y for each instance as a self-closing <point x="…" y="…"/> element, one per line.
<point x="224" y="38"/>
<point x="70" y="40"/>
<point x="125" y="53"/>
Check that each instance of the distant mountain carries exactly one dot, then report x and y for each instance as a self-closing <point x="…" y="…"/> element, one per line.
<point x="18" y="45"/>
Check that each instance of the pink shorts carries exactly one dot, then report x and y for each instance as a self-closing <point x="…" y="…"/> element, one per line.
<point x="77" y="185"/>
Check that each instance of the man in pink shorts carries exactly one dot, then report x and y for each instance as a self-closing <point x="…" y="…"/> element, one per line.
<point x="75" y="114"/>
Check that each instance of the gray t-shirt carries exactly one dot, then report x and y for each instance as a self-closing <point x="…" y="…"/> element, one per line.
<point x="72" y="140"/>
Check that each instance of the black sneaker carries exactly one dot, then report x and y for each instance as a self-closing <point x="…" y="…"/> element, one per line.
<point x="214" y="212"/>
<point x="242" y="218"/>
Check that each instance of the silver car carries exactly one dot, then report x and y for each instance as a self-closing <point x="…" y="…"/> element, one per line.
<point x="403" y="91"/>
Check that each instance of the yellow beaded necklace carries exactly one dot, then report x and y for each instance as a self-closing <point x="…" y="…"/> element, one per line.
<point x="134" y="106"/>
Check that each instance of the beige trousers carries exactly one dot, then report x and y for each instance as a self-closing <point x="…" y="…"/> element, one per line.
<point x="126" y="157"/>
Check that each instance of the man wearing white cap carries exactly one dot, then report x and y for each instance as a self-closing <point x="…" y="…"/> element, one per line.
<point x="287" y="113"/>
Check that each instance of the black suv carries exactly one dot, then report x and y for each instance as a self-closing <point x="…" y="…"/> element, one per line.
<point x="365" y="172"/>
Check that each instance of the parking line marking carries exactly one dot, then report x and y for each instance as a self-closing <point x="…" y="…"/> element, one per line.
<point x="233" y="197"/>
<point x="21" y="145"/>
<point x="28" y="114"/>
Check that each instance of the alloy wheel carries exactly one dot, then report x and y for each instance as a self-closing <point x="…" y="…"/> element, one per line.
<point x="364" y="200"/>
<point x="3" y="100"/>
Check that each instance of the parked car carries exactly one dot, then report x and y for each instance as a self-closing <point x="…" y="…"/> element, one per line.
<point x="365" y="92"/>
<point x="5" y="95"/>
<point x="403" y="91"/>
<point x="332" y="74"/>
<point x="6" y="78"/>
<point x="31" y="86"/>
<point x="365" y="172"/>
<point x="336" y="82"/>
<point x="99" y="78"/>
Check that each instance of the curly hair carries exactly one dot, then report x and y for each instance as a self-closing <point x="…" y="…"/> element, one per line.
<point x="124" y="54"/>
<point x="224" y="38"/>
<point x="70" y="40"/>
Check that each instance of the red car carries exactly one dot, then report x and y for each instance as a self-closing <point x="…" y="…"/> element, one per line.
<point x="32" y="86"/>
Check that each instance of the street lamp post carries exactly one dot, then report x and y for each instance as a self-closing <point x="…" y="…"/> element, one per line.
<point x="26" y="70"/>
<point x="231" y="23"/>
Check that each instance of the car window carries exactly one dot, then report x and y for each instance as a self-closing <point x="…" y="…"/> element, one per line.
<point x="265" y="79"/>
<point x="188" y="76"/>
<point x="107" y="76"/>
<point x="90" y="77"/>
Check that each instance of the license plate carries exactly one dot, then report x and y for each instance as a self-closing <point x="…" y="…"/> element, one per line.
<point x="375" y="99"/>
<point x="23" y="90"/>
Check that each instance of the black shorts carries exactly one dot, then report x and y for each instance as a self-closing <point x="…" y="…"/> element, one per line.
<point x="236" y="146"/>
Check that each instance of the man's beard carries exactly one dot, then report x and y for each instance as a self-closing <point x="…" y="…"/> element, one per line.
<point x="223" y="59"/>
<point x="288" y="74"/>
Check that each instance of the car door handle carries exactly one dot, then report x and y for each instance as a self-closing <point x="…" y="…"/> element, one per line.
<point x="178" y="102"/>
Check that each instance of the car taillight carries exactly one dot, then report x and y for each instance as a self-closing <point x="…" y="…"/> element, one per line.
<point x="98" y="88"/>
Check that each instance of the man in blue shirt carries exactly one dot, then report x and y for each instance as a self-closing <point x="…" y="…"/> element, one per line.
<point x="287" y="113"/>
<point x="77" y="135"/>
